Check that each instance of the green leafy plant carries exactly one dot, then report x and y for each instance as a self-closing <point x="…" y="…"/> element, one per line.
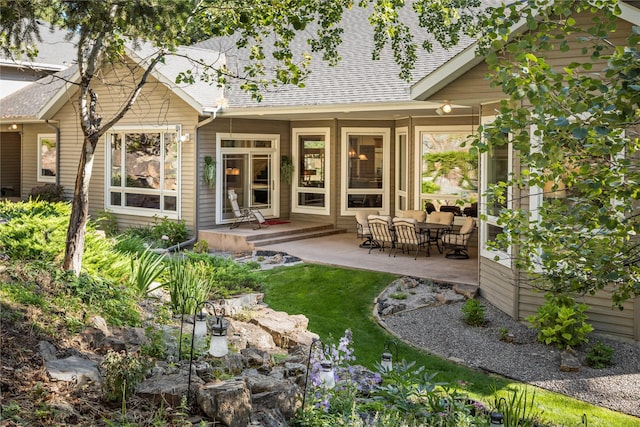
<point x="188" y="284"/>
<point x="505" y="335"/>
<point x="517" y="407"/>
<point x="561" y="322"/>
<point x="156" y="343"/>
<point x="201" y="247"/>
<point x="209" y="171"/>
<point x="399" y="295"/>
<point x="286" y="169"/>
<point x="145" y="269"/>
<point x="122" y="373"/>
<point x="168" y="233"/>
<point x="473" y="312"/>
<point x="107" y="222"/>
<point x="600" y="356"/>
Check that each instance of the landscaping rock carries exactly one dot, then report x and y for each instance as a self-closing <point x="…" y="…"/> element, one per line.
<point x="228" y="402"/>
<point x="247" y="335"/>
<point x="169" y="388"/>
<point x="73" y="368"/>
<point x="569" y="362"/>
<point x="450" y="297"/>
<point x="468" y="291"/>
<point x="47" y="350"/>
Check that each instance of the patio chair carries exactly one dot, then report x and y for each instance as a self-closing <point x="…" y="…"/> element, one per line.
<point x="445" y="218"/>
<point x="250" y="215"/>
<point x="362" y="228"/>
<point x="382" y="233"/>
<point x="429" y="207"/>
<point x="420" y="216"/>
<point x="457" y="243"/>
<point x="408" y="236"/>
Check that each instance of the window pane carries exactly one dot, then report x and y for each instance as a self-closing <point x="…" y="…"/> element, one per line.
<point x="365" y="201"/>
<point x="48" y="155"/>
<point x="116" y="199"/>
<point x="366" y="161"/>
<point x="447" y="167"/>
<point x="170" y="161"/>
<point x="497" y="171"/>
<point x="311" y="199"/>
<point x="170" y="203"/>
<point x="402" y="164"/>
<point x="143" y="160"/>
<point x="116" y="160"/>
<point x="149" y="201"/>
<point x="312" y="161"/>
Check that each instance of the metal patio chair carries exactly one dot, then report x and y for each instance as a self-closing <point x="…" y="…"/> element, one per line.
<point x="409" y="237"/>
<point x="250" y="215"/>
<point x="381" y="232"/>
<point x="457" y="243"/>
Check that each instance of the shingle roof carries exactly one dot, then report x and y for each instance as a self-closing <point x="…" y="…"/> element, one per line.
<point x="25" y="103"/>
<point x="55" y="51"/>
<point x="356" y="79"/>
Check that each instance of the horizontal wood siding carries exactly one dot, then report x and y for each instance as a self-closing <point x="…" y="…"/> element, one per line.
<point x="29" y="153"/>
<point x="497" y="285"/>
<point x="602" y="315"/>
<point x="156" y="105"/>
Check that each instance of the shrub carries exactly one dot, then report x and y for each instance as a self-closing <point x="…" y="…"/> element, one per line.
<point x="107" y="222"/>
<point x="600" y="356"/>
<point x="561" y="322"/>
<point x="201" y="247"/>
<point x="169" y="233"/>
<point x="122" y="373"/>
<point x="47" y="193"/>
<point x="189" y="284"/>
<point x="145" y="269"/>
<point x="473" y="312"/>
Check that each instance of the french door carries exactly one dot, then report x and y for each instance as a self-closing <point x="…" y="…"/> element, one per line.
<point x="248" y="165"/>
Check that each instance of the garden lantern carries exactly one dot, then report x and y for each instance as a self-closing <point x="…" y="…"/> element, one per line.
<point x="327" y="378"/>
<point x="219" y="346"/>
<point x="387" y="357"/>
<point x="200" y="326"/>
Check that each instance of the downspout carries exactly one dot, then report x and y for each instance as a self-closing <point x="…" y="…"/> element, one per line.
<point x="212" y="117"/>
<point x="57" y="149"/>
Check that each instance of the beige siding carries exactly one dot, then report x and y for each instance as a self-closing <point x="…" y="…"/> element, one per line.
<point x="156" y="105"/>
<point x="30" y="134"/>
<point x="497" y="284"/>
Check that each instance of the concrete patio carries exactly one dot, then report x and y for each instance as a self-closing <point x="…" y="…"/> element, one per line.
<point x="342" y="250"/>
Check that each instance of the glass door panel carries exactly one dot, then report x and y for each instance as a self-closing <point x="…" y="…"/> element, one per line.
<point x="234" y="179"/>
<point x="261" y="181"/>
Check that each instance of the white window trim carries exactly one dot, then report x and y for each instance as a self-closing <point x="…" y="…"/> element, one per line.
<point x="403" y="131"/>
<point x="503" y="257"/>
<point x="419" y="196"/>
<point x="275" y="149"/>
<point x="107" y="183"/>
<point x="386" y="174"/>
<point x="295" y="188"/>
<point x="46" y="178"/>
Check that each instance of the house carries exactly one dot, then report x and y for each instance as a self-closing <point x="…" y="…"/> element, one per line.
<point x="55" y="53"/>
<point x="359" y="138"/>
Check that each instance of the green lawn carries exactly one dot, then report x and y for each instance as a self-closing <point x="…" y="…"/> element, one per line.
<point x="336" y="299"/>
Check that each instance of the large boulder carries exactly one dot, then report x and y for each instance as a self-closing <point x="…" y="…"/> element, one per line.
<point x="169" y="387"/>
<point x="287" y="331"/>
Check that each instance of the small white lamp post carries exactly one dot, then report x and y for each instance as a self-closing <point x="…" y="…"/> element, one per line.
<point x="387" y="357"/>
<point x="327" y="375"/>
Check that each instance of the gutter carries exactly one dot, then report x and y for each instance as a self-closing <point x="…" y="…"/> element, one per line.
<point x="212" y="116"/>
<point x="57" y="129"/>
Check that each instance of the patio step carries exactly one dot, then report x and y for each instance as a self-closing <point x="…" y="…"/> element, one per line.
<point x="290" y="236"/>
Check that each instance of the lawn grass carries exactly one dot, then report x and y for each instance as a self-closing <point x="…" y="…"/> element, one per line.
<point x="335" y="299"/>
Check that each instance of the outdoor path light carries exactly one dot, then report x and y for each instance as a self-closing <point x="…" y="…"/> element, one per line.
<point x="387" y="358"/>
<point x="218" y="347"/>
<point x="327" y="374"/>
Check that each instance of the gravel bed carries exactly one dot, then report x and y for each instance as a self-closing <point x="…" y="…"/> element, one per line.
<point x="441" y="331"/>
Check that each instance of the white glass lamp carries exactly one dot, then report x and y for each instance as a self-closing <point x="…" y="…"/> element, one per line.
<point x="327" y="378"/>
<point x="219" y="346"/>
<point x="387" y="361"/>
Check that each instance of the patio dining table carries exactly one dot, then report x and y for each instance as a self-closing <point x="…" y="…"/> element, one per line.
<point x="433" y="230"/>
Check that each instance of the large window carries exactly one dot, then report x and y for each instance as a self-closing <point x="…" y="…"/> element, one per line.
<point x="402" y="170"/>
<point x="143" y="175"/>
<point x="366" y="169"/>
<point x="448" y="169"/>
<point x="47" y="157"/>
<point x="311" y="180"/>
<point x="497" y="167"/>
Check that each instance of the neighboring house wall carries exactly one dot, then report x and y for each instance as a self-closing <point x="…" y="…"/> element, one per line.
<point x="156" y="105"/>
<point x="30" y="134"/>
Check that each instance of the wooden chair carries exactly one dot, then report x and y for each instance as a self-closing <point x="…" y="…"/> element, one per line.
<point x="250" y="215"/>
<point x="445" y="218"/>
<point x="408" y="236"/>
<point x="457" y="243"/>
<point x="382" y="233"/>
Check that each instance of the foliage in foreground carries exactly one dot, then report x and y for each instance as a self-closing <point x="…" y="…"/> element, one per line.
<point x="560" y="321"/>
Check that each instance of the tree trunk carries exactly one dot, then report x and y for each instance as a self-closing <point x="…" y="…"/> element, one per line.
<point x="80" y="208"/>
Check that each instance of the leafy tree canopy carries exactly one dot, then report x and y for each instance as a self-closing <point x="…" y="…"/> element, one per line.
<point x="575" y="130"/>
